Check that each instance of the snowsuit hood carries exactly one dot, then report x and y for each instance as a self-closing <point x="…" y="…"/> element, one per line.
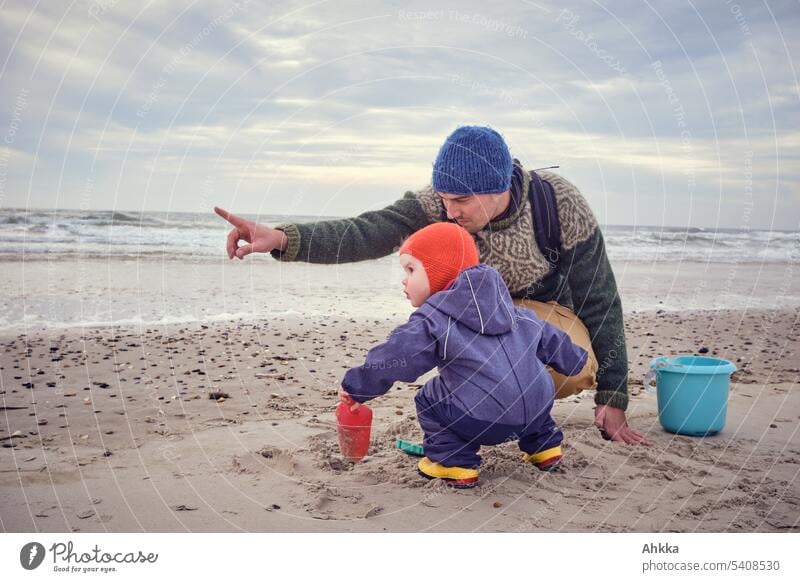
<point x="479" y="300"/>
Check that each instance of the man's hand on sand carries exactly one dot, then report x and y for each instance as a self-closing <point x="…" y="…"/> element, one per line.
<point x="613" y="426"/>
<point x="260" y="239"/>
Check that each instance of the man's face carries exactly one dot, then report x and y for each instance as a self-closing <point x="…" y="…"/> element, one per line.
<point x="474" y="211"/>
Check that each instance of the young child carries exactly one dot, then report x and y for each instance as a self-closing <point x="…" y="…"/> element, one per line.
<point x="492" y="384"/>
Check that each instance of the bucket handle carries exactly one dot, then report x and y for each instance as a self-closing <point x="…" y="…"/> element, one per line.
<point x="659" y="362"/>
<point x="662" y="362"/>
<point x="649" y="387"/>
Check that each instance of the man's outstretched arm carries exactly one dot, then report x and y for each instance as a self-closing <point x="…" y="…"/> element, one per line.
<point x="369" y="235"/>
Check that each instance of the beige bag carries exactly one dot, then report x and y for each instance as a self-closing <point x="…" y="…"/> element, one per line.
<point x="566" y="320"/>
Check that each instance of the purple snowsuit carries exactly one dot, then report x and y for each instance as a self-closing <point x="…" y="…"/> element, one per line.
<point x="492" y="385"/>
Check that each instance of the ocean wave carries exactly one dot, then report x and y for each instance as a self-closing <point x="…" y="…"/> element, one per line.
<point x="30" y="244"/>
<point x="168" y="236"/>
<point x="14" y="219"/>
<point x="37" y="229"/>
<point x="681" y="239"/>
<point x="112" y="218"/>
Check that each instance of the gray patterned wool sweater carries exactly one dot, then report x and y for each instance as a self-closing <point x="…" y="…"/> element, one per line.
<point x="583" y="280"/>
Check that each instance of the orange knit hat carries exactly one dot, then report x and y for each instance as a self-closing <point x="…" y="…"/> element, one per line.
<point x="444" y="249"/>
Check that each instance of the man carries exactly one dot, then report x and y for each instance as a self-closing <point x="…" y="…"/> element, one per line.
<point x="478" y="185"/>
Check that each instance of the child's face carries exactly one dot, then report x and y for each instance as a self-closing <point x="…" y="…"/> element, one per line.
<point x="415" y="284"/>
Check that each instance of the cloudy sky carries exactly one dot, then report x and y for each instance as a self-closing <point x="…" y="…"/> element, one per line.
<point x="675" y="113"/>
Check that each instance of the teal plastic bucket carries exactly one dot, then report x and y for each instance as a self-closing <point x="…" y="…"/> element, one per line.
<point x="692" y="393"/>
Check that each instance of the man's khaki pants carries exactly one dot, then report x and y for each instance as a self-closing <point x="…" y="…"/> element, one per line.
<point x="564" y="319"/>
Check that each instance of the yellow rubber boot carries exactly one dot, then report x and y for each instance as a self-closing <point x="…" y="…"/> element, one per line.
<point x="458" y="477"/>
<point x="546" y="460"/>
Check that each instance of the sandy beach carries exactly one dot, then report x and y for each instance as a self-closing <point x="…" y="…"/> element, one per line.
<point x="114" y="429"/>
<point x="161" y="371"/>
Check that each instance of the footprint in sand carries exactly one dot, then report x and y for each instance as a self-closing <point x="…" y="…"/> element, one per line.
<point x="325" y="502"/>
<point x="278" y="460"/>
<point x="267" y="459"/>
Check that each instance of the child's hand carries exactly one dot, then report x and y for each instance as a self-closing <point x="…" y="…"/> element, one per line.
<point x="347" y="399"/>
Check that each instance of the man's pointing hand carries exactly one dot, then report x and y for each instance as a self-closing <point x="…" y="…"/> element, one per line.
<point x="259" y="238"/>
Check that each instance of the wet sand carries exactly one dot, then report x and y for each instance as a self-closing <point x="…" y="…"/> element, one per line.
<point x="115" y="429"/>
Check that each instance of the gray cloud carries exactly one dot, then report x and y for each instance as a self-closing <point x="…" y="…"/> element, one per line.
<point x="344" y="104"/>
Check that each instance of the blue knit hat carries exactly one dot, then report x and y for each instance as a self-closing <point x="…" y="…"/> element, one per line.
<point x="473" y="160"/>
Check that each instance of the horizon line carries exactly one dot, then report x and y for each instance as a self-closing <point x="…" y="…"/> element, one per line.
<point x="336" y="217"/>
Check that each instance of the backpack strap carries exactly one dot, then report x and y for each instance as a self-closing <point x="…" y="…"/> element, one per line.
<point x="546" y="224"/>
<point x="547" y="227"/>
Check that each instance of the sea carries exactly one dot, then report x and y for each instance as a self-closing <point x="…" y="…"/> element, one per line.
<point x="51" y="234"/>
<point x="70" y="269"/>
